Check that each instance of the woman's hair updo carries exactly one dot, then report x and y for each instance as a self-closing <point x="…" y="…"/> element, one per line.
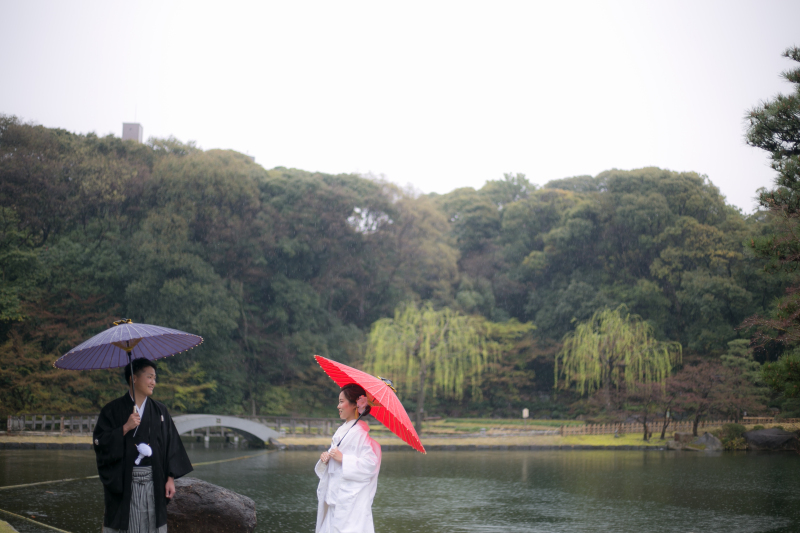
<point x="352" y="391"/>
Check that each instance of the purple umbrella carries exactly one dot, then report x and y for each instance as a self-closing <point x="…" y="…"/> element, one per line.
<point x="114" y="348"/>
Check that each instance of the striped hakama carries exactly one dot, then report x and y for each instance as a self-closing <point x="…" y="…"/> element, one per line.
<point x="143" y="505"/>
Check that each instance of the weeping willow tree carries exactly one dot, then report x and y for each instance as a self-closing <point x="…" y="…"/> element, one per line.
<point x="422" y="346"/>
<point x="611" y="349"/>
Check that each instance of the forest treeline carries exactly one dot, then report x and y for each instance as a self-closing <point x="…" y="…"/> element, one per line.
<point x="274" y="266"/>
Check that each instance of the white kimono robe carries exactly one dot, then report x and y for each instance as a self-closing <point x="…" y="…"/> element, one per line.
<point x="346" y="489"/>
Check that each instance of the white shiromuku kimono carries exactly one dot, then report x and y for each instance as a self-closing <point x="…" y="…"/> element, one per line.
<point x="346" y="489"/>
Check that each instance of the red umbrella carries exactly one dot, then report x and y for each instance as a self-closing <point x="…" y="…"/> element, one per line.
<point x="386" y="408"/>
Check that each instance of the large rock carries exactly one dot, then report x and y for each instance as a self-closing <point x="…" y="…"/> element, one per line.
<point x="200" y="507"/>
<point x="688" y="442"/>
<point x="707" y="442"/>
<point x="773" y="439"/>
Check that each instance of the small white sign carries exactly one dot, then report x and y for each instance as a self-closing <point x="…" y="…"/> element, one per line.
<point x="525" y="413"/>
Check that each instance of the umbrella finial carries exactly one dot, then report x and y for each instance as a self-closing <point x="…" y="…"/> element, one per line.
<point x="389" y="383"/>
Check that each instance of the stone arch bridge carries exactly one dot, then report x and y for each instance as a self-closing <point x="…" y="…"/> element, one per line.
<point x="253" y="430"/>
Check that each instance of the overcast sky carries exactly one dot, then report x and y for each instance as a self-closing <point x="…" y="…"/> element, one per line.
<point x="438" y="95"/>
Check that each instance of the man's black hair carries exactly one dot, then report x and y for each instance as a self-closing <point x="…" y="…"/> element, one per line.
<point x="138" y="366"/>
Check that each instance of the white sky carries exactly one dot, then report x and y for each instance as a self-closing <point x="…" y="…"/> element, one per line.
<point x="439" y="95"/>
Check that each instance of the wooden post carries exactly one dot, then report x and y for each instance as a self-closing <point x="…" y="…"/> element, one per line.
<point x="294" y="426"/>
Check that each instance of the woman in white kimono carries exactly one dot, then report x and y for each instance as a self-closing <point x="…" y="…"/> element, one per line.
<point x="348" y="471"/>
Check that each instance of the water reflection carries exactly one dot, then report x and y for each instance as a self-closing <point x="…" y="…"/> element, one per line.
<point x="575" y="491"/>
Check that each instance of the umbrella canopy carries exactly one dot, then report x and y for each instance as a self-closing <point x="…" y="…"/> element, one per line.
<point x="115" y="347"/>
<point x="110" y="348"/>
<point x="386" y="407"/>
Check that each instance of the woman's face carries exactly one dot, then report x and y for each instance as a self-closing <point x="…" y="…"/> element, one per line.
<point x="145" y="381"/>
<point x="346" y="409"/>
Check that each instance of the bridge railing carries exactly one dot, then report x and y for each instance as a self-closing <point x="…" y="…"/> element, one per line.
<point x="75" y="423"/>
<point x="83" y="423"/>
<point x="656" y="425"/>
<point x="302" y="425"/>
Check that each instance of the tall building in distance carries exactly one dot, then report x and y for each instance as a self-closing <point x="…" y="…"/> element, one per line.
<point x="132" y="131"/>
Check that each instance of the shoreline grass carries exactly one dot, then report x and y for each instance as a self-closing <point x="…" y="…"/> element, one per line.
<point x="462" y="432"/>
<point x="47" y="439"/>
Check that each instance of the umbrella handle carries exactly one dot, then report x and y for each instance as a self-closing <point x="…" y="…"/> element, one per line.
<point x="133" y="392"/>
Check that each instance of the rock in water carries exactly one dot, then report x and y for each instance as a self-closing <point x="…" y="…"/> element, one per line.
<point x="200" y="507"/>
<point x="708" y="442"/>
<point x="771" y="439"/>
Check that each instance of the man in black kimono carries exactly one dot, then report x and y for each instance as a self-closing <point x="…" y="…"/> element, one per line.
<point x="137" y="487"/>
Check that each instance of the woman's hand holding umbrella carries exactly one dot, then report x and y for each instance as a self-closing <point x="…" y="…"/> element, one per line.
<point x="334" y="454"/>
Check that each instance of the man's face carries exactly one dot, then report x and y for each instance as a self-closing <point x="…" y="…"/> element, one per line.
<point x="145" y="381"/>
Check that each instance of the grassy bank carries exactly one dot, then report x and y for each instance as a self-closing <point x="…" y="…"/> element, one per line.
<point x="5" y="527"/>
<point x="46" y="439"/>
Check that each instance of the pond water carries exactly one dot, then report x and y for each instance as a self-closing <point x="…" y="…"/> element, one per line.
<point x="519" y="491"/>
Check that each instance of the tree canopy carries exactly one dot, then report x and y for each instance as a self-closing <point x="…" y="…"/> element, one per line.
<point x="614" y="349"/>
<point x="272" y="266"/>
<point x="774" y="126"/>
<point x="446" y="351"/>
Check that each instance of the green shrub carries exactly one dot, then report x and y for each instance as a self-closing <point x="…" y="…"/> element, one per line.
<point x="779" y="427"/>
<point x="733" y="431"/>
<point x="757" y="427"/>
<point x="736" y="444"/>
<point x="731" y="436"/>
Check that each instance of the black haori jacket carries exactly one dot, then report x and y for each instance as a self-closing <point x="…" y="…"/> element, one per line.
<point x="116" y="455"/>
